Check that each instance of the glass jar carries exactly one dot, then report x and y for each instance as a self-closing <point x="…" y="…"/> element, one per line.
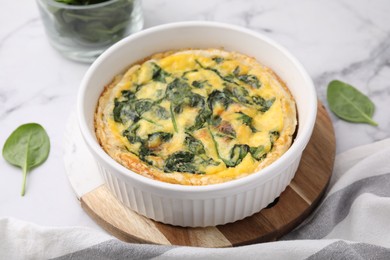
<point x="83" y="32"/>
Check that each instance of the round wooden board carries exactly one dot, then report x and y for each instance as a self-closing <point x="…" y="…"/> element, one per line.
<point x="290" y="209"/>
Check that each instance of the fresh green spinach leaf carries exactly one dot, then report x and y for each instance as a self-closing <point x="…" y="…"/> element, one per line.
<point x="27" y="147"/>
<point x="350" y="104"/>
<point x="101" y="26"/>
<point x="81" y="2"/>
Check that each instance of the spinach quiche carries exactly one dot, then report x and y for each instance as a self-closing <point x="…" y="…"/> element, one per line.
<point x="196" y="117"/>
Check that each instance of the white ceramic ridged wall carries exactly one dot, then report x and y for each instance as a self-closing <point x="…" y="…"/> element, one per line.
<point x="200" y="212"/>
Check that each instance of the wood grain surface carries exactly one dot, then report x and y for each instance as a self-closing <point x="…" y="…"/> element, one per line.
<point x="286" y="212"/>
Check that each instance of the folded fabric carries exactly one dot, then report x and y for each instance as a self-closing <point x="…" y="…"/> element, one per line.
<point x="352" y="222"/>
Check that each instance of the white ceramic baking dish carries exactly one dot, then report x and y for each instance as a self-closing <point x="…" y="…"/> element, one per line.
<point x="210" y="205"/>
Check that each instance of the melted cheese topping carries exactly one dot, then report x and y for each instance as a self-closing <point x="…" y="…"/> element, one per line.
<point x="196" y="117"/>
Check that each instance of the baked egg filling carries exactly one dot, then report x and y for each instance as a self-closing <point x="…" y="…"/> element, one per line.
<point x="196" y="117"/>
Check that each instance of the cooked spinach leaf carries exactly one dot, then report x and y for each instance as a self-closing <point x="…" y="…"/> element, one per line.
<point x="237" y="154"/>
<point x="204" y="160"/>
<point x="181" y="161"/>
<point x="227" y="78"/>
<point x="144" y="152"/>
<point x="218" y="59"/>
<point x="196" y="100"/>
<point x="189" y="99"/>
<point x="263" y="104"/>
<point x="236" y="71"/>
<point x="199" y="84"/>
<point x="161" y="112"/>
<point x="142" y="105"/>
<point x="158" y="74"/>
<point x="177" y="91"/>
<point x="124" y="112"/>
<point x="217" y="97"/>
<point x="131" y="133"/>
<point x="241" y="94"/>
<point x="128" y="95"/>
<point x="158" y="138"/>
<point x="350" y="104"/>
<point x="251" y="80"/>
<point x="173" y="118"/>
<point x="118" y="106"/>
<point x="194" y="145"/>
<point x="273" y="136"/>
<point x="184" y="76"/>
<point x="214" y="141"/>
<point x="247" y="120"/>
<point x="138" y="87"/>
<point x="178" y="109"/>
<point x="202" y="117"/>
<point x="130" y="108"/>
<point x="237" y="94"/>
<point x="258" y="152"/>
<point x="215" y="120"/>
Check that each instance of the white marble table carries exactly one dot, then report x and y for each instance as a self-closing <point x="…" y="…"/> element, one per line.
<point x="339" y="39"/>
